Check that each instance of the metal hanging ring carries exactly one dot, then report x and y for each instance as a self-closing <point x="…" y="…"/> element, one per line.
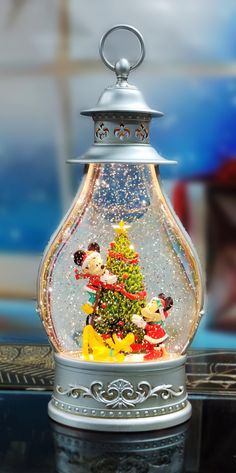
<point x="122" y="27"/>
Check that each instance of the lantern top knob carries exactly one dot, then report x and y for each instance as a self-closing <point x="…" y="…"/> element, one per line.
<point x="122" y="69"/>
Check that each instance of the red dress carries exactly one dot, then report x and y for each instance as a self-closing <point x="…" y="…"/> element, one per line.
<point x="155" y="333"/>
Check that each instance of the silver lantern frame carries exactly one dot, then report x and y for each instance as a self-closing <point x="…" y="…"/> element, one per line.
<point x="130" y="396"/>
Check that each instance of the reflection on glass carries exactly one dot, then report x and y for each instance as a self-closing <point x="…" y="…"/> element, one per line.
<point x="119" y="453"/>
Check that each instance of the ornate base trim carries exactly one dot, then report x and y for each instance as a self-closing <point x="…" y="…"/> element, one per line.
<point x="121" y="392"/>
<point x="139" y="413"/>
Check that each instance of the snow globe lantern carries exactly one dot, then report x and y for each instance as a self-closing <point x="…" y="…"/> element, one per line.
<point x="120" y="292"/>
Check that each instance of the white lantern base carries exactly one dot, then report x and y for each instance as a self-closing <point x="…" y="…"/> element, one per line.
<point x="124" y="397"/>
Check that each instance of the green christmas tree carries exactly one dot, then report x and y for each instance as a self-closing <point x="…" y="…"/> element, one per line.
<point x="127" y="296"/>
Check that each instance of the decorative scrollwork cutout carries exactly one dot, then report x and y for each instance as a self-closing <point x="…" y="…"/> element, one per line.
<point x="101" y="131"/>
<point x="122" y="132"/>
<point x="141" y="133"/>
<point x="121" y="393"/>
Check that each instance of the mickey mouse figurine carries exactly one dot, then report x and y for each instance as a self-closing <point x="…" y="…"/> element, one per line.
<point x="152" y="321"/>
<point x="95" y="271"/>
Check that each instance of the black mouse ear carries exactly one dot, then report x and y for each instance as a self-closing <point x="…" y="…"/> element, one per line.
<point x="78" y="257"/>
<point x="168" y="303"/>
<point x="162" y="295"/>
<point x="94" y="247"/>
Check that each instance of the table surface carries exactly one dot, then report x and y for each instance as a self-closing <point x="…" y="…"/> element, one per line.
<point x="31" y="442"/>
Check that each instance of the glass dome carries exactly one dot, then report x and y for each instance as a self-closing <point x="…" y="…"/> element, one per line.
<point x="120" y="280"/>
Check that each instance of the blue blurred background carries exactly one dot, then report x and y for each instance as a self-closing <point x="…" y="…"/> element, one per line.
<point x="50" y="69"/>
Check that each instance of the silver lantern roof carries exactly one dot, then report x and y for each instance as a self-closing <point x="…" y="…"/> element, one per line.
<point x="121" y="117"/>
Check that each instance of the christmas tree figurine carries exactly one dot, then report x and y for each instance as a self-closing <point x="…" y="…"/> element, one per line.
<point x="118" y="302"/>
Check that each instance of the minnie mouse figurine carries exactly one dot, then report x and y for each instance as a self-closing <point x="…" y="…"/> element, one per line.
<point x="152" y="321"/>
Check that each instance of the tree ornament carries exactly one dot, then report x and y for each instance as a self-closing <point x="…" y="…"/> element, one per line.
<point x="119" y="359"/>
<point x="121" y="228"/>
